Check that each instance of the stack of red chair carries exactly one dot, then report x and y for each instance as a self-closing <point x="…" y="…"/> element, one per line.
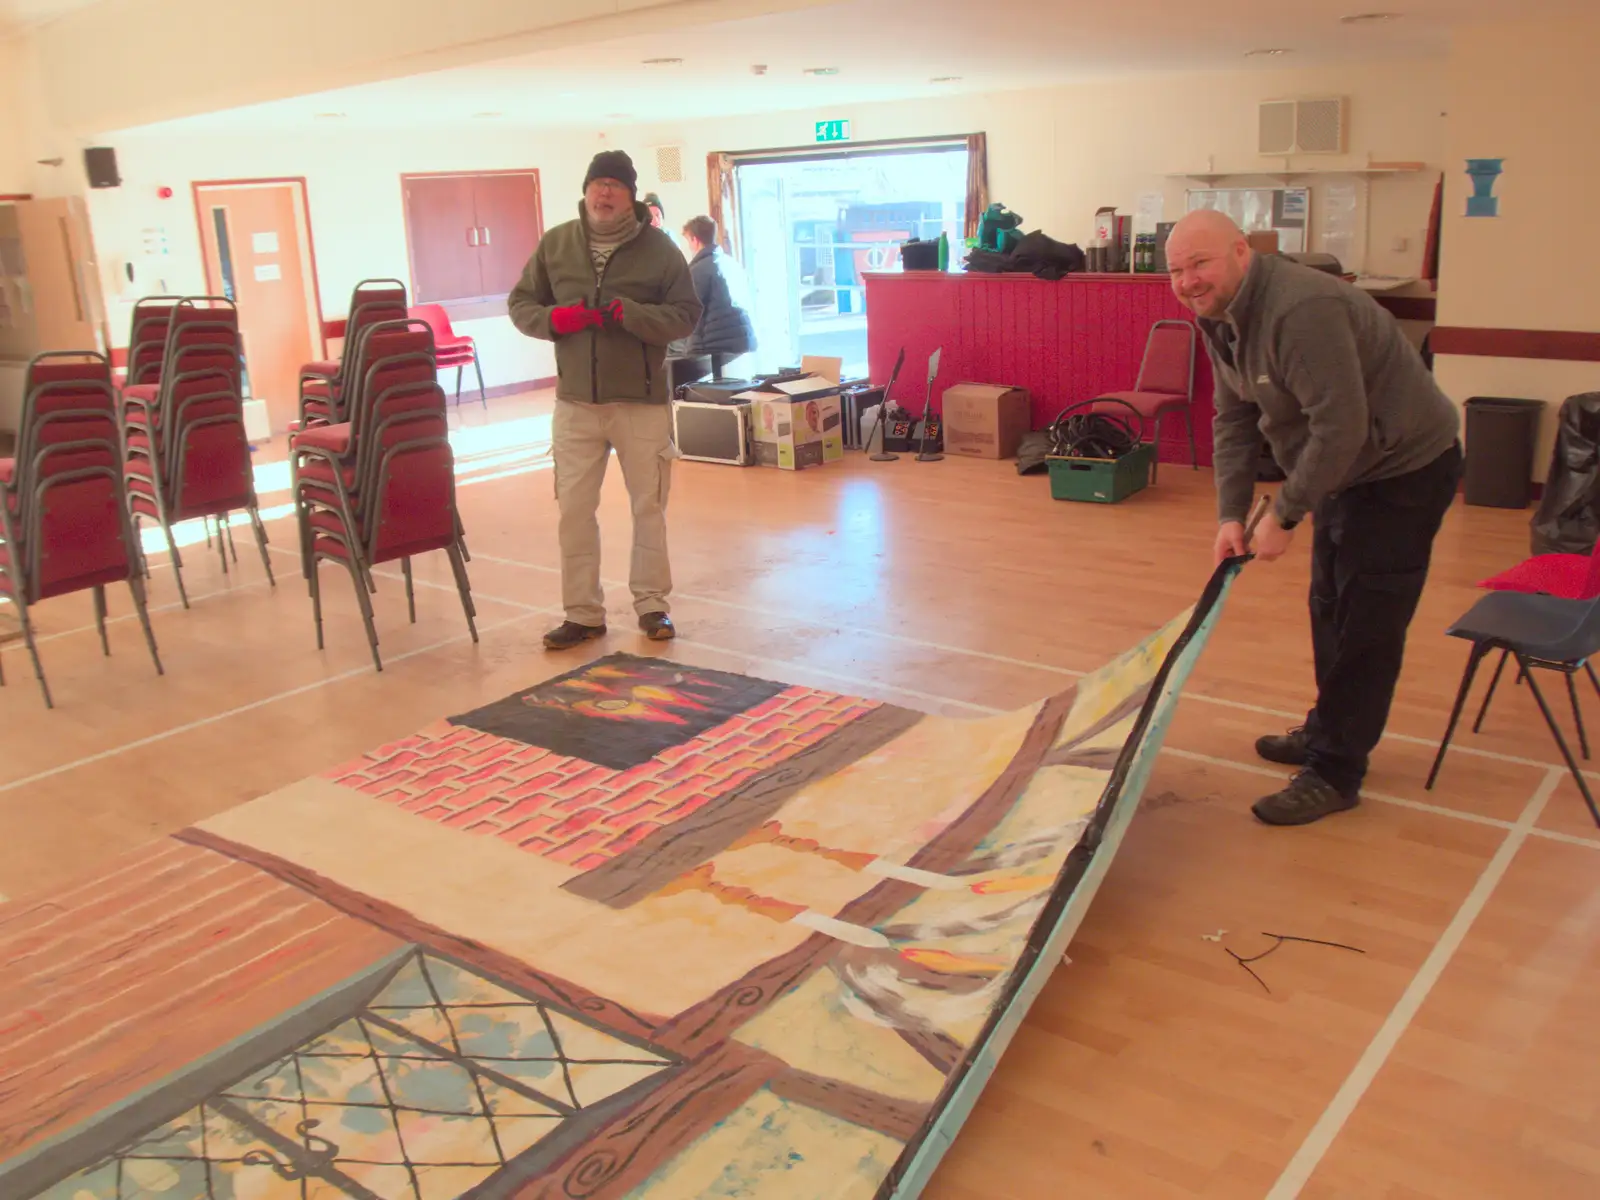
<point x="453" y="349"/>
<point x="186" y="454"/>
<point x="380" y="484"/>
<point x="63" y="510"/>
<point x="148" y="341"/>
<point x="323" y="385"/>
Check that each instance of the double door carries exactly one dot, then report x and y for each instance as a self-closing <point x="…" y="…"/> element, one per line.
<point x="470" y="235"/>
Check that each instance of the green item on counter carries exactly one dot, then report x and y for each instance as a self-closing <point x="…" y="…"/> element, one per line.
<point x="944" y="251"/>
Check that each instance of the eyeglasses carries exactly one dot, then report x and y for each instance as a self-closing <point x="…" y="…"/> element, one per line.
<point x="608" y="185"/>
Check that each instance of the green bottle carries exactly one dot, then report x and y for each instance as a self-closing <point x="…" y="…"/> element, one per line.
<point x="944" y="251"/>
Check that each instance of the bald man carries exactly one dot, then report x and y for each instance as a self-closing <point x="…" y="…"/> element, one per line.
<point x="1317" y="369"/>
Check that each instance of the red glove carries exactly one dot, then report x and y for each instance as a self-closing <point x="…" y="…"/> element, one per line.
<point x="613" y="312"/>
<point x="573" y="318"/>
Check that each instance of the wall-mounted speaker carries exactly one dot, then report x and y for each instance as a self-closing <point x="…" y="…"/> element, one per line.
<point x="101" y="164"/>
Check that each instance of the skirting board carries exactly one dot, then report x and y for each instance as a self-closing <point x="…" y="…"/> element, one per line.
<point x="470" y="392"/>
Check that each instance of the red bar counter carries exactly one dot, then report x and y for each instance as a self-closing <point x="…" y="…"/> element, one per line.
<point x="1064" y="341"/>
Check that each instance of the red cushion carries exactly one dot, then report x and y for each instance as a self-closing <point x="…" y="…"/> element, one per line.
<point x="142" y="391"/>
<point x="323" y="367"/>
<point x="1563" y="575"/>
<point x="8" y="467"/>
<point x="334" y="438"/>
<point x="318" y="470"/>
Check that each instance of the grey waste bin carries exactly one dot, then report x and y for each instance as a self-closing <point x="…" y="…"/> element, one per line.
<point x="1501" y="433"/>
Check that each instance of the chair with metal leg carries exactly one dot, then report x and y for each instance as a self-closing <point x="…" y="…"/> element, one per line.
<point x="1541" y="633"/>
<point x="1165" y="385"/>
<point x="451" y="348"/>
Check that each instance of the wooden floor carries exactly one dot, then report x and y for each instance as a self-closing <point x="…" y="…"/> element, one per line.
<point x="1452" y="1057"/>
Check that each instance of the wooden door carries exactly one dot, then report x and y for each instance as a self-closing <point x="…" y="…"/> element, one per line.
<point x="508" y="216"/>
<point x="258" y="254"/>
<point x="443" y="230"/>
<point x="54" y="240"/>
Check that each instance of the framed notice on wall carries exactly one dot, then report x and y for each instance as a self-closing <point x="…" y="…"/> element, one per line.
<point x="1285" y="211"/>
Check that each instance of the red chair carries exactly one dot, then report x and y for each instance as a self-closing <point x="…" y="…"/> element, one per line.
<point x="322" y="383"/>
<point x="381" y="486"/>
<point x="453" y="349"/>
<point x="1570" y="576"/>
<point x="329" y="463"/>
<point x="185" y="451"/>
<point x="62" y="509"/>
<point x="1165" y="383"/>
<point x="147" y="338"/>
<point x="1567" y="576"/>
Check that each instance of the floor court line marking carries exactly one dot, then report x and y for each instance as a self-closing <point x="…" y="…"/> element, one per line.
<point x="750" y="608"/>
<point x="863" y="685"/>
<point x="1052" y="668"/>
<point x="160" y="608"/>
<point x="852" y="680"/>
<point x="1281" y="774"/>
<point x="987" y="710"/>
<point x="214" y="718"/>
<point x="1328" y="1127"/>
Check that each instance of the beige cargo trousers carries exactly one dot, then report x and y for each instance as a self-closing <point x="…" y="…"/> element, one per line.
<point x="582" y="440"/>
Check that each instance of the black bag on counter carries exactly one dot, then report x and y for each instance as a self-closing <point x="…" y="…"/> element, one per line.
<point x="1036" y="253"/>
<point x="1040" y="254"/>
<point x="1567" y="520"/>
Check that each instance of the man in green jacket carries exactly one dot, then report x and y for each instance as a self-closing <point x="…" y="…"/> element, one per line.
<point x="610" y="291"/>
<point x="1315" y="368"/>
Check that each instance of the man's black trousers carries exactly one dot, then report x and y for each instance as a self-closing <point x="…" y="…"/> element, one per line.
<point x="1370" y="559"/>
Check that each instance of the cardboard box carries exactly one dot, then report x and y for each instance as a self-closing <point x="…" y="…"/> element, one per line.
<point x="985" y="420"/>
<point x="794" y="433"/>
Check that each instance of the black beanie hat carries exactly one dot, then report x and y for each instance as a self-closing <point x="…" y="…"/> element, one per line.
<point x="613" y="164"/>
<point x="654" y="201"/>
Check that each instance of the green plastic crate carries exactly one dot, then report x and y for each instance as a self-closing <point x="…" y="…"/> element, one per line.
<point x="1100" y="480"/>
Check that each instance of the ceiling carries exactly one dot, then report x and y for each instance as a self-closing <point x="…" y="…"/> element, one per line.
<point x="883" y="50"/>
<point x="21" y="14"/>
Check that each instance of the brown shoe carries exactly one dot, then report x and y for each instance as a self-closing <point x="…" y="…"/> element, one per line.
<point x="569" y="634"/>
<point x="657" y="627"/>
<point x="1307" y="798"/>
<point x="1288" y="749"/>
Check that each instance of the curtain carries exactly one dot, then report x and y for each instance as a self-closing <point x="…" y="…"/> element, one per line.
<point x="719" y="189"/>
<point x="1430" y="253"/>
<point x="977" y="181"/>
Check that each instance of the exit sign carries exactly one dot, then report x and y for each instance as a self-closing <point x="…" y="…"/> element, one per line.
<point x="833" y="131"/>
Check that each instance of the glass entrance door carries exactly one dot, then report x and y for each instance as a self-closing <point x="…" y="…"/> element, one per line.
<point x="811" y="227"/>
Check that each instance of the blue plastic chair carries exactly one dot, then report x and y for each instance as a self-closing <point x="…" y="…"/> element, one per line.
<point x="1540" y="632"/>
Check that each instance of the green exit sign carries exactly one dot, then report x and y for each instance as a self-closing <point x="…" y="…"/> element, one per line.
<point x="833" y="131"/>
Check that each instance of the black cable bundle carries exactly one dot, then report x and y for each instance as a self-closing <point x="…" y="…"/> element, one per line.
<point x="1086" y="434"/>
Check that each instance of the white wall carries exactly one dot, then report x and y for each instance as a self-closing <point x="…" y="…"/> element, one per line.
<point x="357" y="214"/>
<point x="1057" y="154"/>
<point x="14" y="172"/>
<point x="1524" y="93"/>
